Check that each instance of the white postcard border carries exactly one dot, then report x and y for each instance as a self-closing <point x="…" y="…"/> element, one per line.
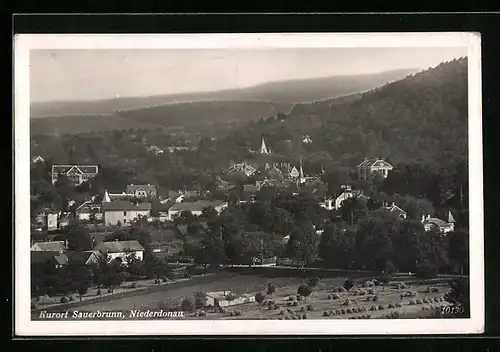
<point x="26" y="42"/>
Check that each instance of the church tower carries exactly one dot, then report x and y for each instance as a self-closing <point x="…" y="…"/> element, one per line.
<point x="302" y="178"/>
<point x="263" y="148"/>
<point x="106" y="199"/>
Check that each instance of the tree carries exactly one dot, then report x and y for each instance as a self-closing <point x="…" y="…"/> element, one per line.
<point x="78" y="237"/>
<point x="458" y="246"/>
<point x="459" y="297"/>
<point x="271" y="289"/>
<point x="389" y="268"/>
<point x="348" y="284"/>
<point x="304" y="290"/>
<point x="113" y="280"/>
<point x="187" y="305"/>
<point x="260" y="297"/>
<point x="82" y="289"/>
<point x="313" y="281"/>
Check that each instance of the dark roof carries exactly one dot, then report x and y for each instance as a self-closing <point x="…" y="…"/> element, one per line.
<point x="119" y="246"/>
<point x="85" y="169"/>
<point x="42" y="257"/>
<point x="124" y="205"/>
<point x="195" y="206"/>
<point x="61" y="259"/>
<point x="438" y="222"/>
<point x="80" y="257"/>
<point x="148" y="188"/>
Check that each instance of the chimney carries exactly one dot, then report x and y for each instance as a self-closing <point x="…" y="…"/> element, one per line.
<point x="66" y="243"/>
<point x="423" y="218"/>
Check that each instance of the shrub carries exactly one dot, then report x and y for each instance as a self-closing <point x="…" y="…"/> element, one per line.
<point x="338" y="312"/>
<point x="368" y="316"/>
<point x="289" y="304"/>
<point x="381" y="307"/>
<point x="295" y="303"/>
<point x="202" y="313"/>
<point x="346" y="302"/>
<point x="364" y="284"/>
<point x="291" y="299"/>
<point x="331" y="313"/>
<point x="302" y="309"/>
<point x="436" y="299"/>
<point x="348" y="311"/>
<point x="187" y="305"/>
<point x="304" y="316"/>
<point x="391" y="306"/>
<point x="341" y="289"/>
<point x="232" y="314"/>
<point x="329" y="297"/>
<point x="280" y="318"/>
<point x="157" y="281"/>
<point x="402" y="286"/>
<point x="342" y="311"/>
<point x="64" y="300"/>
<point x="304" y="290"/>
<point x="259" y="297"/>
<point x="98" y="293"/>
<point x="412" y="303"/>
<point x="237" y="313"/>
<point x="395" y="315"/>
<point x="362" y="292"/>
<point x="134" y="285"/>
<point x="326" y="314"/>
<point x="375" y="298"/>
<point x="313" y="281"/>
<point x="398" y="305"/>
<point x="376" y="282"/>
<point x="419" y="301"/>
<point x="310" y="308"/>
<point x="348" y="284"/>
<point x="110" y="290"/>
<point x="373" y="308"/>
<point x="335" y="296"/>
<point x="276" y="306"/>
<point x="271" y="289"/>
<point x="368" y="298"/>
<point x="434" y="289"/>
<point x="72" y="298"/>
<point x="281" y="312"/>
<point x="287" y="318"/>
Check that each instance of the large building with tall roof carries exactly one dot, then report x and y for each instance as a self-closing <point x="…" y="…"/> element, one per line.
<point x="370" y="167"/>
<point x="77" y="174"/>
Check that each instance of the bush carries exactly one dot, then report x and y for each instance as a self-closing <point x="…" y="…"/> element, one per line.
<point x="310" y="308"/>
<point x="287" y="318"/>
<point x="395" y="315"/>
<point x="326" y="314"/>
<point x="304" y="290"/>
<point x="110" y="290"/>
<point x="391" y="306"/>
<point x="289" y="304"/>
<point x="157" y="281"/>
<point x="304" y="316"/>
<point x="434" y="289"/>
<point x="202" y="313"/>
<point x="302" y="309"/>
<point x="436" y="299"/>
<point x="376" y="282"/>
<point x="271" y="289"/>
<point x="373" y="308"/>
<point x="291" y="299"/>
<point x="348" y="311"/>
<point x="187" y="305"/>
<point x="98" y="293"/>
<point x="381" y="307"/>
<point x="342" y="311"/>
<point x="259" y="297"/>
<point x="370" y="291"/>
<point x="368" y="298"/>
<point x="295" y="303"/>
<point x="375" y="298"/>
<point x="237" y="313"/>
<point x="341" y="289"/>
<point x="313" y="281"/>
<point x="346" y="302"/>
<point x="419" y="301"/>
<point x="402" y="286"/>
<point x="412" y="303"/>
<point x="398" y="305"/>
<point x="64" y="300"/>
<point x="335" y="296"/>
<point x="348" y="284"/>
<point x="426" y="272"/>
<point x="330" y="297"/>
<point x="331" y="313"/>
<point x="338" y="312"/>
<point x="72" y="298"/>
<point x="134" y="285"/>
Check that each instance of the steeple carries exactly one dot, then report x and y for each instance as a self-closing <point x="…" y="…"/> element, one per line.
<point x="106" y="199"/>
<point x="451" y="220"/>
<point x="263" y="148"/>
<point x="302" y="178"/>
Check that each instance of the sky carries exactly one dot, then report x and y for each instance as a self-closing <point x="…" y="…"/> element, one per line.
<point x="84" y="74"/>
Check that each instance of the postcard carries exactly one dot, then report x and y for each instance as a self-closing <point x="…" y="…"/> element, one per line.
<point x="248" y="184"/>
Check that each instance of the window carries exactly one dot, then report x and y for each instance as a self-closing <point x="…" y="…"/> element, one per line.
<point x="124" y="213"/>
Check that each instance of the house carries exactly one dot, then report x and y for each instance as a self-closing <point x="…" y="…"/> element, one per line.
<point x="52" y="221"/>
<point x="226" y="298"/>
<point x="87" y="210"/>
<point x="86" y="257"/>
<point x="369" y="167"/>
<point x="294" y="173"/>
<point x="393" y="208"/>
<point x="243" y="168"/>
<point x="346" y="193"/>
<point x="438" y="224"/>
<point x="47" y="218"/>
<point x="77" y="174"/>
<point x="38" y="160"/>
<point x="153" y="149"/>
<point x="53" y="258"/>
<point x="306" y="139"/>
<point x="141" y="191"/>
<point x="124" y="212"/>
<point x="328" y="204"/>
<point x="120" y="249"/>
<point x="52" y="246"/>
<point x="63" y="222"/>
<point x="196" y="208"/>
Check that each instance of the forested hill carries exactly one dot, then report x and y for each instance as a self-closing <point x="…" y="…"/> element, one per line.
<point x="423" y="116"/>
<point x="286" y="92"/>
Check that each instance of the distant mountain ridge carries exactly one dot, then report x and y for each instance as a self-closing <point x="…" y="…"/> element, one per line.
<point x="283" y="92"/>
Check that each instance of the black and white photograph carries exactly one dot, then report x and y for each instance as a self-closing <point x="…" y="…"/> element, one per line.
<point x="242" y="183"/>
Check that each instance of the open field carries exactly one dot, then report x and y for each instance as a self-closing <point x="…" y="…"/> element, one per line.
<point x="321" y="304"/>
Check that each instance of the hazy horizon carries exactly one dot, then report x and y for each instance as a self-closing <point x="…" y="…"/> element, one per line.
<point x="86" y="75"/>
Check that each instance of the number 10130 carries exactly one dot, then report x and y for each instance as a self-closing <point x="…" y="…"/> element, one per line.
<point x="452" y="310"/>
